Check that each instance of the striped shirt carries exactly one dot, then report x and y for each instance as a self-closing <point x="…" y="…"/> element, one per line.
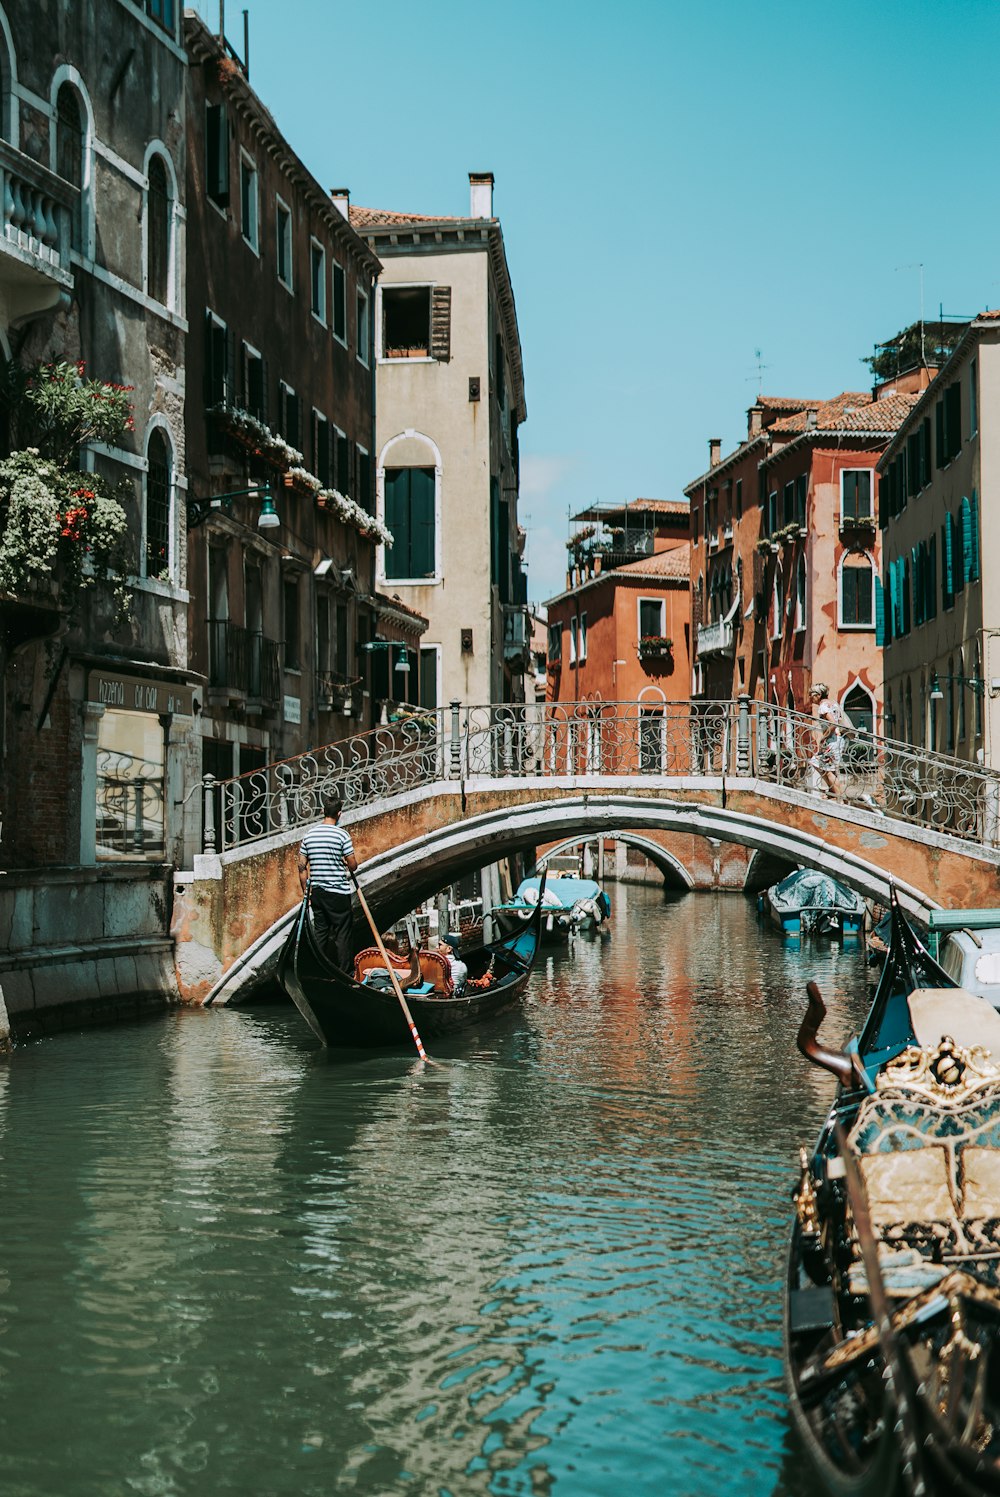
<point x="326" y="846"/>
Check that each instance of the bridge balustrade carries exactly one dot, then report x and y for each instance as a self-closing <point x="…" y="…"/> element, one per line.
<point x="565" y="742"/>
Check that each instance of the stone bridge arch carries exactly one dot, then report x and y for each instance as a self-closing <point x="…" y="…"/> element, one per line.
<point x="675" y="874"/>
<point x="230" y="925"/>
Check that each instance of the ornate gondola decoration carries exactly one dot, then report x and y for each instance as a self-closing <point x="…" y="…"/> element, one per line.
<point x="892" y="1324"/>
<point x="345" y="1010"/>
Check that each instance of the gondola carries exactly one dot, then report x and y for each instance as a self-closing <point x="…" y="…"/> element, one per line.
<point x="343" y="1011"/>
<point x="892" y="1313"/>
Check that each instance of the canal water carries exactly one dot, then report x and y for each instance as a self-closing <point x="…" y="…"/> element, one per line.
<point x="230" y="1263"/>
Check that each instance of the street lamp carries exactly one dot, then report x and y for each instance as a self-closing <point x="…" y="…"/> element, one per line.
<point x="198" y="510"/>
<point x="937" y="695"/>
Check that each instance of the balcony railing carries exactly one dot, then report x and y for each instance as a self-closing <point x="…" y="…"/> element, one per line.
<point x="338" y="693"/>
<point x="36" y="232"/>
<point x="715" y="639"/>
<point x="244" y="661"/>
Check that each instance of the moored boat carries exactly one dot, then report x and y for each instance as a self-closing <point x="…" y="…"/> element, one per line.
<point x="569" y="905"/>
<point x="346" y="1010"/>
<point x="892" y="1315"/>
<point x="810" y="902"/>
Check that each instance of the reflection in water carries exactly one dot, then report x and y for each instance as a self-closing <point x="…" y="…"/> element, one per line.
<point x="230" y="1262"/>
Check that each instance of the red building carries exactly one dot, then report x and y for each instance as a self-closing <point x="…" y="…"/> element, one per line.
<point x="785" y="561"/>
<point x="621" y="630"/>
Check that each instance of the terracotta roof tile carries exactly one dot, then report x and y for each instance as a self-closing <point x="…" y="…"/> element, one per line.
<point x="783" y="403"/>
<point x="850" y="411"/>
<point x="372" y="218"/>
<point x="673" y="563"/>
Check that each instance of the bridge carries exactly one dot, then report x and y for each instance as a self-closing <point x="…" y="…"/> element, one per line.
<point x="444" y="792"/>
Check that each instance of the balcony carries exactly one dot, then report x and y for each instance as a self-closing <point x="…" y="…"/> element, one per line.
<point x="243" y="665"/>
<point x="516" y="634"/>
<point x="716" y="639"/>
<point x="338" y="693"/>
<point x="35" y="242"/>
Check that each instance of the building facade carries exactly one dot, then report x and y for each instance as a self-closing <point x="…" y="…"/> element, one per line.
<point x="621" y="630"/>
<point x="942" y="659"/>
<point x="785" y="579"/>
<point x="450" y="389"/>
<point x="98" y="710"/>
<point x="281" y="427"/>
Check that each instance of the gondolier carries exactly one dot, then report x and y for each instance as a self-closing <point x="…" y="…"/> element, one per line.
<point x="326" y="862"/>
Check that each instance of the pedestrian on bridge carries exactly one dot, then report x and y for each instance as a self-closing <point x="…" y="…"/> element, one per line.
<point x="326" y="862"/>
<point x="830" y="741"/>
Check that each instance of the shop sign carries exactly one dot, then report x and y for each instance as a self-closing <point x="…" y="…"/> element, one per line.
<point x="137" y="694"/>
<point x="293" y="709"/>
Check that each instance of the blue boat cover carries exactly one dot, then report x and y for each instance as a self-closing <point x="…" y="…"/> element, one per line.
<point x="562" y="893"/>
<point x="808" y="889"/>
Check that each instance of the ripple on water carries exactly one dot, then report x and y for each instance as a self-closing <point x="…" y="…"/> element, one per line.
<point x="232" y="1263"/>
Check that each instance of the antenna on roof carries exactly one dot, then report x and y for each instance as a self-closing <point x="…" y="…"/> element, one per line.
<point x="759" y="376"/>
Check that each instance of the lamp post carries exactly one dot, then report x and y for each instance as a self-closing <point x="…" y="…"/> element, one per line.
<point x="401" y="667"/>
<point x="199" y="509"/>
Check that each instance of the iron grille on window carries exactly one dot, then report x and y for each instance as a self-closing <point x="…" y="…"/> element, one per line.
<point x="158" y="509"/>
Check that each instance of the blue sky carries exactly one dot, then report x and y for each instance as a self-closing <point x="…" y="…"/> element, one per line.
<point x="679" y="185"/>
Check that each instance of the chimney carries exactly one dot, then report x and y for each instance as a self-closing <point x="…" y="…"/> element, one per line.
<point x="480" y="194"/>
<point x="714" y="451"/>
<point x="812" y="418"/>
<point x="341" y="199"/>
<point x="755" y="421"/>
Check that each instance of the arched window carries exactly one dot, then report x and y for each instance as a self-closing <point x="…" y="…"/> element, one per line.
<point x="159" y="218"/>
<point x="156" y="507"/>
<point x="860" y="708"/>
<point x="71" y="140"/>
<point x="857" y="591"/>
<point x="800" y="594"/>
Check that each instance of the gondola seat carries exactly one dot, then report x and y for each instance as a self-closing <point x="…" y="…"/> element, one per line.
<point x="434" y="968"/>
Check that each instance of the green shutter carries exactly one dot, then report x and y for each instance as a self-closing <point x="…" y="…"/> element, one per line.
<point x="879" y="613"/>
<point x="974" y="513"/>
<point x="932" y="578"/>
<point x="947" y="590"/>
<point x="966" y="514"/>
<point x="397" y="519"/>
<point x="957" y="570"/>
<point x="422" y="521"/>
<point x="918" y="596"/>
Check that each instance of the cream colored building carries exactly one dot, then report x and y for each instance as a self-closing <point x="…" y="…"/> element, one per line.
<point x="449" y="401"/>
<point x="938" y="485"/>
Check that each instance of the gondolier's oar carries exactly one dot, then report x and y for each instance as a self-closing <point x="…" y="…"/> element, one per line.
<point x="390" y="969"/>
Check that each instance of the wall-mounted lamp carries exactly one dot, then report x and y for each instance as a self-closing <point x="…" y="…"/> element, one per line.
<point x="937" y="695"/>
<point x="198" y="510"/>
<point x="402" y="665"/>
<point x="974" y="683"/>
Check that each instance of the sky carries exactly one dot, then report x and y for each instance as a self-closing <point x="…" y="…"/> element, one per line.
<point x="679" y="186"/>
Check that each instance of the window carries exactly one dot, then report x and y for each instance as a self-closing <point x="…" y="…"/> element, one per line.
<point x="948" y="424"/>
<point x="288" y="414"/>
<point x="292" y="631"/>
<point x="406" y="322"/>
<point x="130" y="785"/>
<point x="574" y="638"/>
<point x="409" y="515"/>
<point x="856" y="494"/>
<point x="343" y="479"/>
<point x="800" y="595"/>
<point x="317" y="281"/>
<point x="857" y="591"/>
<point x="321" y="449"/>
<point x="248" y="200"/>
<point x="776" y="604"/>
<point x="339" y="304"/>
<point x="651" y="618"/>
<point x="973" y="400"/>
<point x="363" y="332"/>
<point x="283" y="234"/>
<point x="554" y="644"/>
<point x="860" y="711"/>
<point x="364" y="493"/>
<point x="801" y="491"/>
<point x="159" y="213"/>
<point x="156" y="521"/>
<point x="71" y="142"/>
<point x="788" y="504"/>
<point x="254" y="385"/>
<point x="771" y="516"/>
<point x="739" y="498"/>
<point x="217" y="155"/>
<point x="218" y="369"/>
<point x="583" y="636"/>
<point x="162" y="12"/>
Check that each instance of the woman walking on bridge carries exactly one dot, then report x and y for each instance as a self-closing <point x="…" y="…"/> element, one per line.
<point x="830" y="742"/>
<point x="326" y="862"/>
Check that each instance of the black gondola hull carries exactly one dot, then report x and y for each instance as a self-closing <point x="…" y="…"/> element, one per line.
<point x="349" y="1014"/>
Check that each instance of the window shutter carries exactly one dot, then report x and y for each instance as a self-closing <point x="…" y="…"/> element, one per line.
<point x="974" y="517"/>
<point x="263" y="390"/>
<point x="441" y="323"/>
<point x="947" y="589"/>
<point x="939" y="433"/>
<point x="966" y="513"/>
<point x="957" y="553"/>
<point x="894" y="617"/>
<point x="210" y="361"/>
<point x="880" y="619"/>
<point x="217" y="154"/>
<point x="932" y="577"/>
<point x="918" y="601"/>
<point x="883" y="495"/>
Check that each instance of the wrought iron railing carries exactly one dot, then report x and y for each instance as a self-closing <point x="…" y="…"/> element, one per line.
<point x="732" y="740"/>
<point x="243" y="660"/>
